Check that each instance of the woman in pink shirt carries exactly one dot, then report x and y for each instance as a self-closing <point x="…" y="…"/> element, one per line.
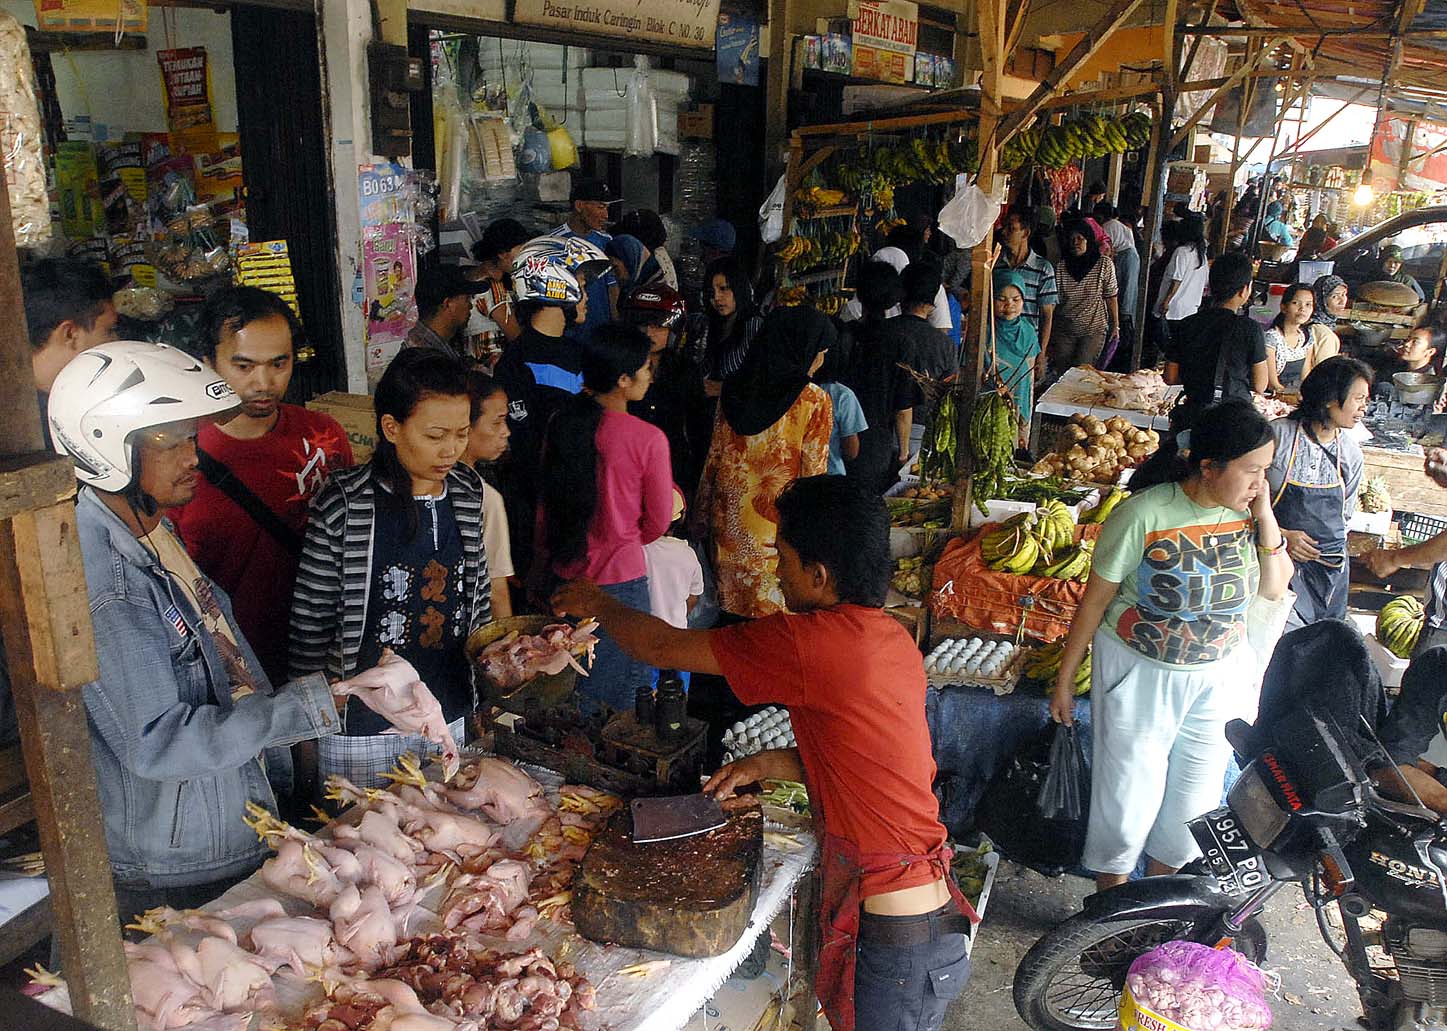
<point x="607" y="491"/>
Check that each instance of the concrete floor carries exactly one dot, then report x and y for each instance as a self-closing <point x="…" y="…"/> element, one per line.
<point x="1316" y="993"/>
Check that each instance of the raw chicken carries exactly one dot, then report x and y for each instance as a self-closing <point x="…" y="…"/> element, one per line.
<point x="163" y="997"/>
<point x="506" y="795"/>
<point x="303" y="943"/>
<point x="393" y="690"/>
<point x="395" y="880"/>
<point x="513" y="660"/>
<point x="486" y="901"/>
<point x="299" y="872"/>
<point x="380" y="828"/>
<point x="450" y="832"/>
<point x="364" y="925"/>
<point x="232" y="977"/>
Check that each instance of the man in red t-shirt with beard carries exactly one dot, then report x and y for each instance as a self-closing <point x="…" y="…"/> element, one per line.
<point x="259" y="471"/>
<point x="854" y="683"/>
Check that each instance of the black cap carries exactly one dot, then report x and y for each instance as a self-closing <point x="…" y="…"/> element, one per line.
<point x="436" y="285"/>
<point x="594" y="190"/>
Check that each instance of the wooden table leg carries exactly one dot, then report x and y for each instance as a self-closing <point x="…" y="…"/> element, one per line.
<point x="803" y="1009"/>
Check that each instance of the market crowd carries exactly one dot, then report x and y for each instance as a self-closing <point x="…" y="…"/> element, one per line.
<point x="573" y="430"/>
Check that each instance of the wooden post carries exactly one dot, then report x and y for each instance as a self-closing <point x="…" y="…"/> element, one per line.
<point x="991" y="27"/>
<point x="45" y="620"/>
<point x="776" y="86"/>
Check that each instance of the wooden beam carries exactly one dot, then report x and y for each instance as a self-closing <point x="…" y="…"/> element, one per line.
<point x="776" y="86"/>
<point x="1089" y="45"/>
<point x="37" y="480"/>
<point x="1102" y="96"/>
<point x="898" y="123"/>
<point x="1303" y="31"/>
<point x="1231" y="80"/>
<point x="980" y="322"/>
<point x="1168" y="46"/>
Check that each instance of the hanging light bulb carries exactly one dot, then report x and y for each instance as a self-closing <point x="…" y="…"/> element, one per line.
<point x="1363" y="195"/>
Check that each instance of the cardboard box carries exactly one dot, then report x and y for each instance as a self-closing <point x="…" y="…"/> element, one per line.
<point x="358" y="419"/>
<point x="696" y="125"/>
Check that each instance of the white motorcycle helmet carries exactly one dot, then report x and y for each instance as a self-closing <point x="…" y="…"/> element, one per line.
<point x="112" y="392"/>
<point x="541" y="273"/>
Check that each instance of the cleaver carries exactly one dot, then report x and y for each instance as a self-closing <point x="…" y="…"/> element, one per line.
<point x="677" y="816"/>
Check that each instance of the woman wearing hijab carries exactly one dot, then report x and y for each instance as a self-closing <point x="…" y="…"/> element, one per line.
<point x="774" y="428"/>
<point x="1274" y="228"/>
<point x="648" y="227"/>
<point x="1015" y="345"/>
<point x="1087" y="315"/>
<point x="1331" y="306"/>
<point x="1394" y="272"/>
<point x="628" y="256"/>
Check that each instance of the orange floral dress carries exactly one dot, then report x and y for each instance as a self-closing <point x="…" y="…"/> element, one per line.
<point x="742" y="478"/>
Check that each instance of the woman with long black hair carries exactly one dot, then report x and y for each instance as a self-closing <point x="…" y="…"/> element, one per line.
<point x="394" y="558"/>
<point x="1177" y="566"/>
<point x="733" y="321"/>
<point x="607" y="490"/>
<point x="1314" y="479"/>
<point x="1184" y="280"/>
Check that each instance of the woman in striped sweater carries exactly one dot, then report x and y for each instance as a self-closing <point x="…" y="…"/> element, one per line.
<point x="394" y="559"/>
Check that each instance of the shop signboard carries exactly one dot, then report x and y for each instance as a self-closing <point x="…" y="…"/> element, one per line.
<point x="885" y="34"/>
<point x="90" y="15"/>
<point x="186" y="89"/>
<point x="1426" y="166"/>
<point x="684" y="23"/>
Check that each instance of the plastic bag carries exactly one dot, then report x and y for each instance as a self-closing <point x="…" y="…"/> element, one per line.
<point x="970" y="215"/>
<point x="1194" y="988"/>
<point x="1008" y="814"/>
<point x="641" y="139"/>
<point x="771" y="213"/>
<point x="536" y="153"/>
<point x="564" y="151"/>
<point x="22" y="158"/>
<point x="1066" y="791"/>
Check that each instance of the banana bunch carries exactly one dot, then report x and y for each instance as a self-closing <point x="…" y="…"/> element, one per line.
<point x="1137" y="129"/>
<point x="1056" y="529"/>
<point x="1088" y="136"/>
<point x="1021" y="147"/>
<point x="831" y="304"/>
<point x="1013" y="547"/>
<point x="940" y="448"/>
<point x="1107" y="504"/>
<point x="994" y="428"/>
<point x="790" y="297"/>
<point x="1043" y="664"/>
<point x="795" y="250"/>
<point x="1399" y="624"/>
<point x="808" y="199"/>
<point x="1073" y="563"/>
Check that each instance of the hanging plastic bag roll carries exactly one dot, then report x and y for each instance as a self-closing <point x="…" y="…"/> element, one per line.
<point x="641" y="139"/>
<point x="21" y="139"/>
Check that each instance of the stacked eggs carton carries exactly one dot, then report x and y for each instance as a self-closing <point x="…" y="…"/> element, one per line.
<point x="769" y="728"/>
<point x="967" y="658"/>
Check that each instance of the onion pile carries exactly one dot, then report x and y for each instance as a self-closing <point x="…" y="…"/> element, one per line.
<point x="1199" y="988"/>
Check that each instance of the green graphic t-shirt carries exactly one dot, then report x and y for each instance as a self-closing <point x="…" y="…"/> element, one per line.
<point x="1187" y="575"/>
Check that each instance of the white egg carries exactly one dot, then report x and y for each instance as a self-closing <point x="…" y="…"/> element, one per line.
<point x="737" y="728"/>
<point x="728" y="757"/>
<point x="957" y="665"/>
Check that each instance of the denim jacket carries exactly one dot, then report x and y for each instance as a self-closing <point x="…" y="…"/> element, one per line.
<point x="176" y="758"/>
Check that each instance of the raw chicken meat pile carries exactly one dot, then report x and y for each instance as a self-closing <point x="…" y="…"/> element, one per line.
<point x="491" y="837"/>
<point x="513" y="660"/>
<point x="440" y="982"/>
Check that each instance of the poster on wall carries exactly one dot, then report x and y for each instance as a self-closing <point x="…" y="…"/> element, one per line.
<point x="738" y="49"/>
<point x="186" y="89"/>
<point x="389" y="276"/>
<point x="1426" y="168"/>
<point x="90" y="15"/>
<point x="685" y="23"/>
<point x="885" y="34"/>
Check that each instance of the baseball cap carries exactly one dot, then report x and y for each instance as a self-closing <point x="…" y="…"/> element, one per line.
<point x="594" y="190"/>
<point x="717" y="233"/>
<point x="436" y="285"/>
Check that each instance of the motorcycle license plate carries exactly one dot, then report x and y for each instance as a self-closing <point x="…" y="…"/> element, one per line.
<point x="1229" y="853"/>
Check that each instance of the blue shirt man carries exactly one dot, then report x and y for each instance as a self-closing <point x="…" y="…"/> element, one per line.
<point x="592" y="204"/>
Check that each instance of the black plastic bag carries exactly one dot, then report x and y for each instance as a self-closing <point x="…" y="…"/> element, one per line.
<point x="1065" y="795"/>
<point x="1009" y="813"/>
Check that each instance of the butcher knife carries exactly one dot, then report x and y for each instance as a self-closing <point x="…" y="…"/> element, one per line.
<point x="678" y="816"/>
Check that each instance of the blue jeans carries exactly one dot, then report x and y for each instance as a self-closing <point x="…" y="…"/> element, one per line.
<point x="615" y="677"/>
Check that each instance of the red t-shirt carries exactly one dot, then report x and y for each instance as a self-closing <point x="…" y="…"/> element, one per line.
<point x="854" y="683"/>
<point x="284" y="469"/>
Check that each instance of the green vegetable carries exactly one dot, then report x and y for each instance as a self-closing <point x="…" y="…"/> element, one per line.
<point x="787" y="794"/>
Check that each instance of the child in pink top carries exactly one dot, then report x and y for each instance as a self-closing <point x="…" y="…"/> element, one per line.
<point x="607" y="490"/>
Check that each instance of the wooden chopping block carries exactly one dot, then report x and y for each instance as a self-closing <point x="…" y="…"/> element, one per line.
<point x="687" y="897"/>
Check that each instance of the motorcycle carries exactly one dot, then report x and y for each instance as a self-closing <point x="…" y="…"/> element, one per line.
<point x="1304" y="812"/>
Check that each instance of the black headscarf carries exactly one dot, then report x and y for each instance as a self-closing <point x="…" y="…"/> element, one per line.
<point x="776" y="369"/>
<point x="1079" y="266"/>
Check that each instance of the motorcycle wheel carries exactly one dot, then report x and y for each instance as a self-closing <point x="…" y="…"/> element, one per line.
<point x="1071" y="979"/>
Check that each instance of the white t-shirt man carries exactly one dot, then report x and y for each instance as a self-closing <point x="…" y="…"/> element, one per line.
<point x="939" y="317"/>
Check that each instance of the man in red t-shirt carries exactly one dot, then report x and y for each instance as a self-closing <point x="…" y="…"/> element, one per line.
<point x="259" y="471"/>
<point x="854" y="683"/>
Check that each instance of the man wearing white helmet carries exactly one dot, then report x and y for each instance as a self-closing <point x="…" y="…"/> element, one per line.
<point x="540" y="368"/>
<point x="182" y="709"/>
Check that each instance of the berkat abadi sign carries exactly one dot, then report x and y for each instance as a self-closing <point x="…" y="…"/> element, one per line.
<point x="885" y="34"/>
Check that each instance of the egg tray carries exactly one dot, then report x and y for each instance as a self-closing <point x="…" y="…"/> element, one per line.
<point x="1001" y="683"/>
